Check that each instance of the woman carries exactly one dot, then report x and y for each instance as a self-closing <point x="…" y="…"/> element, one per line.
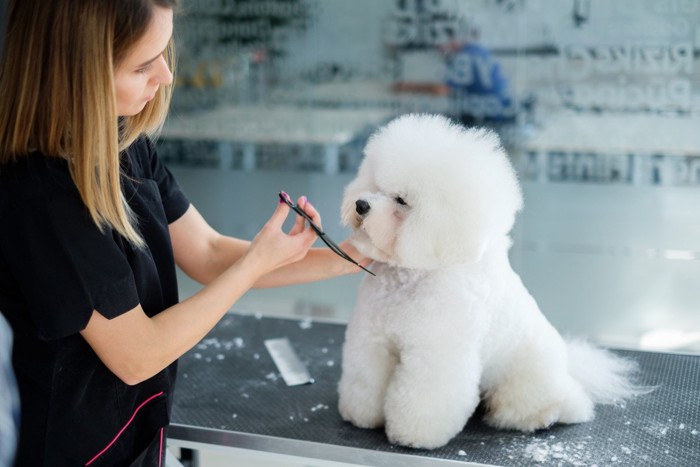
<point x="92" y="225"/>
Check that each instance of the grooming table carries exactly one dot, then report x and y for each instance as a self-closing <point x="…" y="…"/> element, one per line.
<point x="230" y="395"/>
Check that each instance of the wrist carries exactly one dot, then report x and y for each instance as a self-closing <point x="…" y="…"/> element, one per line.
<point x="252" y="268"/>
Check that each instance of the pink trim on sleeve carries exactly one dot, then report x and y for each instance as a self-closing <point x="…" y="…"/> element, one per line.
<point x="124" y="428"/>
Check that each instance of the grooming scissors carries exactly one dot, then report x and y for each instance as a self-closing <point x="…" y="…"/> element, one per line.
<point x="321" y="234"/>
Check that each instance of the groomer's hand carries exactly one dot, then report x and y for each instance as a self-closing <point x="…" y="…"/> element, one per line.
<point x="305" y="206"/>
<point x="272" y="248"/>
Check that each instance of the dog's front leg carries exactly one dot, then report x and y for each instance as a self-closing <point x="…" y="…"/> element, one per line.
<point x="367" y="366"/>
<point x="434" y="391"/>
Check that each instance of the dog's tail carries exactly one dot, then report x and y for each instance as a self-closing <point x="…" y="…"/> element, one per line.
<point x="606" y="377"/>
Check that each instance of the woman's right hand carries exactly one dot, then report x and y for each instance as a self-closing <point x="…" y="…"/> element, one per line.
<point x="272" y="248"/>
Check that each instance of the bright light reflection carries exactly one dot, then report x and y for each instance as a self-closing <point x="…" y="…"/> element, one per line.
<point x="669" y="339"/>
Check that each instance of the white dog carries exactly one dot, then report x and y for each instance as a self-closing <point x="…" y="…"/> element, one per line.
<point x="446" y="322"/>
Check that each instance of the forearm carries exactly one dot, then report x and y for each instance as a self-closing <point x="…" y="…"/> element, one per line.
<point x="222" y="254"/>
<point x="200" y="251"/>
<point x="186" y="323"/>
<point x="318" y="264"/>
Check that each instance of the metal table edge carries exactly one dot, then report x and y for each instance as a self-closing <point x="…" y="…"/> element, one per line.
<point x="306" y="449"/>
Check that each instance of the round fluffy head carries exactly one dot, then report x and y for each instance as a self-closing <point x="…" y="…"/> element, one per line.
<point x="430" y="193"/>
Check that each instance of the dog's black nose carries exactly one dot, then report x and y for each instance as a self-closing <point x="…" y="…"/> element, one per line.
<point x="362" y="207"/>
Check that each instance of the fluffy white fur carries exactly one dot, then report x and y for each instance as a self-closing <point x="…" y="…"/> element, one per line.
<point x="446" y="322"/>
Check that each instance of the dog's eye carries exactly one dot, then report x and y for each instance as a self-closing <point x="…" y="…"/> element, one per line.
<point x="400" y="200"/>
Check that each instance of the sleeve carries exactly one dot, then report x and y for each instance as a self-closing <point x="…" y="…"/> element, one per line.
<point x="175" y="203"/>
<point x="64" y="266"/>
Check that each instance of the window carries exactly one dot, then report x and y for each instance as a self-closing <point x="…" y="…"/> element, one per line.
<point x="597" y="102"/>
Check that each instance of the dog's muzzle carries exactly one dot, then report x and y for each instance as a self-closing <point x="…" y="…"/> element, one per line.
<point x="362" y="207"/>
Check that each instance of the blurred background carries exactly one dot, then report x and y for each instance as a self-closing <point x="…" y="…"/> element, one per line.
<point x="596" y="101"/>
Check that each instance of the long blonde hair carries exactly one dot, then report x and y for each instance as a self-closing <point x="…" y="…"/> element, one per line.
<point x="57" y="94"/>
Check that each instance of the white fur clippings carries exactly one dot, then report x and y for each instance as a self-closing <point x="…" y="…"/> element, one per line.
<point x="446" y="322"/>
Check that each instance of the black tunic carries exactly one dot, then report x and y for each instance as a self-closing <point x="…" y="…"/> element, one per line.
<point x="56" y="267"/>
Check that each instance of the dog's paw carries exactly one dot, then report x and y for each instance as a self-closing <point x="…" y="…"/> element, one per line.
<point x="527" y="422"/>
<point x="423" y="429"/>
<point x="418" y="437"/>
<point x="360" y="414"/>
<point x="527" y="418"/>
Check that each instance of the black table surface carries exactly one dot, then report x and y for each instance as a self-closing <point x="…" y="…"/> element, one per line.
<point x="229" y="393"/>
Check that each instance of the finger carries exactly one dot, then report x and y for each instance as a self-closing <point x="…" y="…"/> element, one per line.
<point x="278" y="217"/>
<point x="310" y="211"/>
<point x="298" y="225"/>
